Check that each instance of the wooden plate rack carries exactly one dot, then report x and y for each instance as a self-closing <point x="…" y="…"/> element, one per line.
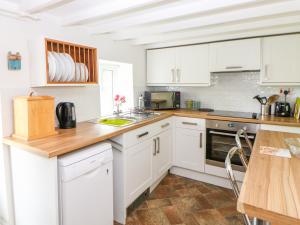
<point x="79" y="53"/>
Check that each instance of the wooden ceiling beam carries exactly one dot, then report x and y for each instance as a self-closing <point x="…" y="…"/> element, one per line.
<point x="228" y="36"/>
<point x="13" y="10"/>
<point x="171" y="12"/>
<point x="110" y="9"/>
<point x="224" y="29"/>
<point x="43" y="6"/>
<point x="260" y="12"/>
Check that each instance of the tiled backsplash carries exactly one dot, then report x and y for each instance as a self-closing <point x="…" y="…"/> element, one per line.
<point x="230" y="91"/>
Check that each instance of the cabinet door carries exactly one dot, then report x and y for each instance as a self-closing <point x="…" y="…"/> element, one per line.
<point x="162" y="157"/>
<point x="281" y="60"/>
<point x="138" y="173"/>
<point x="238" y="55"/>
<point x="161" y="66"/>
<point x="193" y="65"/>
<point x="189" y="149"/>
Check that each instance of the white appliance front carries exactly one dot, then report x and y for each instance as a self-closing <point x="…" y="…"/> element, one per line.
<point x="86" y="187"/>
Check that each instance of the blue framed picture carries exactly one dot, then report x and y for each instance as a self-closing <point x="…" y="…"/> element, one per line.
<point x="14" y="61"/>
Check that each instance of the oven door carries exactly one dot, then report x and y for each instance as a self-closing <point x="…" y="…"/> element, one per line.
<point x="218" y="144"/>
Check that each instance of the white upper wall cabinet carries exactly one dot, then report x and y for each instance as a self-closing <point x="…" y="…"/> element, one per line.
<point x="281" y="60"/>
<point x="161" y="65"/>
<point x="240" y="55"/>
<point x="178" y="66"/>
<point x="193" y="65"/>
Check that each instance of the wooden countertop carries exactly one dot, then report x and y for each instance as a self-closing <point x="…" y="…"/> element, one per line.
<point x="271" y="187"/>
<point x="271" y="120"/>
<point x="88" y="133"/>
<point x="68" y="140"/>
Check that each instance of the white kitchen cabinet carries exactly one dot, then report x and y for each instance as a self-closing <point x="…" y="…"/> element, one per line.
<point x="161" y="66"/>
<point x="189" y="149"/>
<point x="178" y="66"/>
<point x="161" y="154"/>
<point x="239" y="55"/>
<point x="280" y="61"/>
<point x="192" y="65"/>
<point x="138" y="167"/>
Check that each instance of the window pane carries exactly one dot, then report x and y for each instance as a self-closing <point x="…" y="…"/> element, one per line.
<point x="106" y="94"/>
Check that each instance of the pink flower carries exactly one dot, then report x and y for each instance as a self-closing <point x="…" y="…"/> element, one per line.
<point x="122" y="99"/>
<point x="117" y="97"/>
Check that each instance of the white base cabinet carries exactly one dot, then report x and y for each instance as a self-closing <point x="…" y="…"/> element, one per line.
<point x="280" y="60"/>
<point x="141" y="157"/>
<point x="138" y="170"/>
<point x="189" y="149"/>
<point x="161" y="154"/>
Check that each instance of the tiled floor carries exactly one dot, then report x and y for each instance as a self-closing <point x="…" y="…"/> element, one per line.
<point x="182" y="201"/>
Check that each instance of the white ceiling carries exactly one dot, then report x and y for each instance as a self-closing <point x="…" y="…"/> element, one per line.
<point x="158" y="23"/>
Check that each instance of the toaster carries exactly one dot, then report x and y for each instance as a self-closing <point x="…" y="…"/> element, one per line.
<point x="282" y="109"/>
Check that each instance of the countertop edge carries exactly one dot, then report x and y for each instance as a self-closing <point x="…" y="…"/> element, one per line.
<point x="165" y="114"/>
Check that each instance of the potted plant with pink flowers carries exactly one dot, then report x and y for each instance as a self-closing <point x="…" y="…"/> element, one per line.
<point x="119" y="100"/>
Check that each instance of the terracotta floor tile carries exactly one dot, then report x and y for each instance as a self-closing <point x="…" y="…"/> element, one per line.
<point x="172" y="214"/>
<point x="158" y="203"/>
<point x="182" y="201"/>
<point x="219" y="200"/>
<point x="152" y="217"/>
<point x="210" y="217"/>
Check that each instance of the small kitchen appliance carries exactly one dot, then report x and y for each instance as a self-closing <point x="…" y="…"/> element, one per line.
<point x="65" y="112"/>
<point x="162" y="100"/>
<point x="282" y="109"/>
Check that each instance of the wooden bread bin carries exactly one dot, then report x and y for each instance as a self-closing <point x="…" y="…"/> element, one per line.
<point x="34" y="117"/>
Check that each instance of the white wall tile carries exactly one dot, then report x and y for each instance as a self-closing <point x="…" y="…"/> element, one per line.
<point x="231" y="91"/>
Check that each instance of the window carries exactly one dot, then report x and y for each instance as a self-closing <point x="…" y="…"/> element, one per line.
<point x="115" y="78"/>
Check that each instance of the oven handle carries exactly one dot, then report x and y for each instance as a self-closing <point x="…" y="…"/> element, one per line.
<point x="228" y="134"/>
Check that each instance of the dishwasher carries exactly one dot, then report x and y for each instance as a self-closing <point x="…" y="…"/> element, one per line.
<point x="86" y="186"/>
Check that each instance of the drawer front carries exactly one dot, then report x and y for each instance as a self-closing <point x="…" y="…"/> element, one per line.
<point x="138" y="135"/>
<point x="190" y="123"/>
<point x="144" y="133"/>
<point x="162" y="125"/>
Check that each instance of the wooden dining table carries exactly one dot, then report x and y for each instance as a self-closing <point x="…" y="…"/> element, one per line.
<point x="271" y="187"/>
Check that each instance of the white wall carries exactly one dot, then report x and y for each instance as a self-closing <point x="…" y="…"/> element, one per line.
<point x="14" y="37"/>
<point x="231" y="91"/>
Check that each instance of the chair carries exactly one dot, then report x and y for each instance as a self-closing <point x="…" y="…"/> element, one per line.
<point x="242" y="133"/>
<point x="232" y="179"/>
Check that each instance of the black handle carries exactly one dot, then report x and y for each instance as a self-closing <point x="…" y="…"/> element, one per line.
<point x="143" y="134"/>
<point x="58" y="112"/>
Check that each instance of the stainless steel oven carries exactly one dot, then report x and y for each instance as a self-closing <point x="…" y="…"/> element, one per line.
<point x="220" y="138"/>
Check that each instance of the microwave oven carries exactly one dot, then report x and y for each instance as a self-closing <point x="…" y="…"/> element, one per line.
<point x="162" y="100"/>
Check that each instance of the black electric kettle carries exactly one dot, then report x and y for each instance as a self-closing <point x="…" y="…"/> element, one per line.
<point x="65" y="112"/>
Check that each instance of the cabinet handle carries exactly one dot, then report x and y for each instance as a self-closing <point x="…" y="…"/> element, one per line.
<point x="189" y="123"/>
<point x="173" y="75"/>
<point x="143" y="134"/>
<point x="201" y="141"/>
<point x="178" y="75"/>
<point x="165" y="125"/>
<point x="266" y="72"/>
<point x="233" y="67"/>
<point x="158" y="145"/>
<point x="154" y="152"/>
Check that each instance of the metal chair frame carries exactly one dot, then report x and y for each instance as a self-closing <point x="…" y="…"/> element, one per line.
<point x="233" y="182"/>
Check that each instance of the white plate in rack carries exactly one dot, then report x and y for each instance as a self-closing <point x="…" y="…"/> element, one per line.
<point x="71" y="63"/>
<point x="64" y="70"/>
<point x="82" y="73"/>
<point x="51" y="66"/>
<point x="68" y="68"/>
<point x="58" y="71"/>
